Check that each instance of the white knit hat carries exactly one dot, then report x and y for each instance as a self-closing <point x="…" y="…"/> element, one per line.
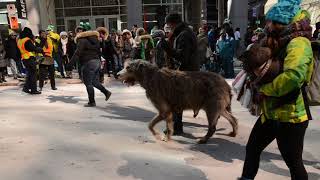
<point x="63" y="33"/>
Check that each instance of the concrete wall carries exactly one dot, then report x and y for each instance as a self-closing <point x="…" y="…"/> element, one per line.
<point x="38" y="16"/>
<point x="238" y="14"/>
<point x="134" y="13"/>
<point x="47" y="15"/>
<point x="33" y="13"/>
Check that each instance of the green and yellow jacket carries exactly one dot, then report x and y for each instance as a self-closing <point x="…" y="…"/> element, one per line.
<point x="297" y="70"/>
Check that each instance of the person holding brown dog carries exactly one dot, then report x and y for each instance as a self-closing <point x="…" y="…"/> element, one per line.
<point x="284" y="121"/>
<point x="182" y="48"/>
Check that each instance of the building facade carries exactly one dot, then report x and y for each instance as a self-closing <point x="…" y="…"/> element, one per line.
<point x="113" y="14"/>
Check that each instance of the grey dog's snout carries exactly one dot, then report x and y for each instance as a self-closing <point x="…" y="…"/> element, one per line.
<point x="122" y="72"/>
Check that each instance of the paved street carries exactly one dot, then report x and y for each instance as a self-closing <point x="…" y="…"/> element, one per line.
<point x="53" y="137"/>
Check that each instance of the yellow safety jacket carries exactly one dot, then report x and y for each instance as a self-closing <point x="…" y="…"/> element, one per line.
<point x="47" y="50"/>
<point x="25" y="54"/>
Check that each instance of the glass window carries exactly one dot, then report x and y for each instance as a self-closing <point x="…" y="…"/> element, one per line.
<point x="71" y="24"/>
<point x="59" y="13"/>
<point x="61" y="28"/>
<point x="104" y="2"/>
<point x="172" y="1"/>
<point x="123" y="2"/>
<point x="100" y="22"/>
<point x="77" y="12"/>
<point x="123" y="10"/>
<point x="113" y="23"/>
<point x="124" y="26"/>
<point x="105" y="11"/>
<point x="150" y="9"/>
<point x="76" y="3"/>
<point x="60" y="22"/>
<point x="175" y="8"/>
<point x="58" y="3"/>
<point x="123" y="18"/>
<point x="151" y="1"/>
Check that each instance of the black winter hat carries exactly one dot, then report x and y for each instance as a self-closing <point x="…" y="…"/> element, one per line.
<point x="173" y="18"/>
<point x="27" y="32"/>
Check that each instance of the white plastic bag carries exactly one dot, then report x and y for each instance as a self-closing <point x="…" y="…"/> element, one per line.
<point x="239" y="81"/>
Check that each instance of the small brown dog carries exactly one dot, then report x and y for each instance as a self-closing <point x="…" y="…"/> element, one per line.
<point x="174" y="91"/>
<point x="255" y="60"/>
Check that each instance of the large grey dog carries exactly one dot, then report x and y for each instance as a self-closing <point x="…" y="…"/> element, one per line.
<point x="174" y="91"/>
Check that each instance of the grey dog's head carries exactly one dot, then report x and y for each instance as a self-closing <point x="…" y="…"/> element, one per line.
<point x="136" y="71"/>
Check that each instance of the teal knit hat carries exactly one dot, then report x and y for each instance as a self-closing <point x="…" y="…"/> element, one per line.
<point x="284" y="11"/>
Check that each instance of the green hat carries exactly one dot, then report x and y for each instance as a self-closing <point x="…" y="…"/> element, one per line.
<point x="85" y="25"/>
<point x="50" y="27"/>
<point x="284" y="11"/>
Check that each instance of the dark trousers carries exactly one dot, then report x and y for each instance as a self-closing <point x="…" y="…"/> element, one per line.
<point x="290" y="138"/>
<point x="31" y="80"/>
<point x="178" y="124"/>
<point x="19" y="66"/>
<point x="59" y="62"/>
<point x="90" y="72"/>
<point x="111" y="66"/>
<point x="44" y="70"/>
<point x="228" y="68"/>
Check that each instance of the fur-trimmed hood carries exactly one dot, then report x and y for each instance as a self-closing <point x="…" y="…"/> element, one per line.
<point x="140" y="32"/>
<point x="104" y="31"/>
<point x="86" y="34"/>
<point x="147" y="36"/>
<point x="127" y="31"/>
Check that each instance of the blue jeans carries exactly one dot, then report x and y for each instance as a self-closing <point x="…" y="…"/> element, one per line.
<point x="90" y="74"/>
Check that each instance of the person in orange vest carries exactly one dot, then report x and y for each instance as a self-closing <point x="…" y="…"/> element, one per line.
<point x="28" y="53"/>
<point x="47" y="65"/>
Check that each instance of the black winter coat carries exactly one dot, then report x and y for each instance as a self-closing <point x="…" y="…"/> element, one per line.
<point x="88" y="47"/>
<point x="108" y="50"/>
<point x="185" y="48"/>
<point x="12" y="50"/>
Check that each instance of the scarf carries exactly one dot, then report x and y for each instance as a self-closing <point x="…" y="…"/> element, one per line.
<point x="64" y="43"/>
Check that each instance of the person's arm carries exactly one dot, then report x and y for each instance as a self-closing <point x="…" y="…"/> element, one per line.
<point x="76" y="55"/>
<point x="183" y="50"/>
<point x="113" y="49"/>
<point x="296" y="67"/>
<point x="6" y="48"/>
<point x="32" y="48"/>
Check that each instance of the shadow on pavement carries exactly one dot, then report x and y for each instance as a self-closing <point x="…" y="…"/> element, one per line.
<point x="227" y="151"/>
<point x="131" y="113"/>
<point x="64" y="99"/>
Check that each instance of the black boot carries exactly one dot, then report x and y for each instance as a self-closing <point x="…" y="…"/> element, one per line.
<point x="35" y="92"/>
<point x="90" y="104"/>
<point x="108" y="95"/>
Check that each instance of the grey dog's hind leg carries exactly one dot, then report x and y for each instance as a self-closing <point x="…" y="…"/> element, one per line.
<point x="233" y="121"/>
<point x="213" y="115"/>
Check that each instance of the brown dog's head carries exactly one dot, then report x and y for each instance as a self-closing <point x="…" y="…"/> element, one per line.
<point x="254" y="57"/>
<point x="136" y="71"/>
